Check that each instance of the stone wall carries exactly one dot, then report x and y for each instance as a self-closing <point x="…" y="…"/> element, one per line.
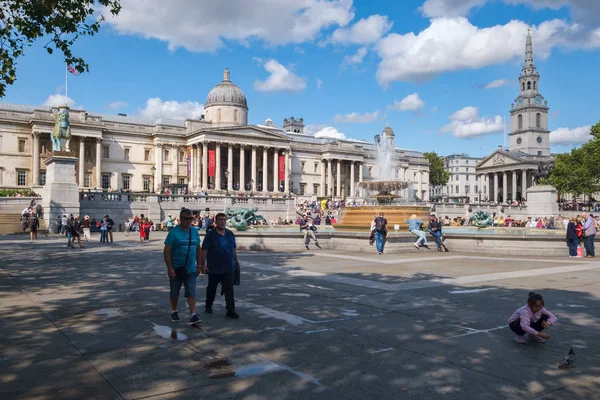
<point x="516" y="212"/>
<point x="11" y="205"/>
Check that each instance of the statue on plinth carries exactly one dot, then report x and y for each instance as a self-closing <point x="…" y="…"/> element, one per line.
<point x="62" y="129"/>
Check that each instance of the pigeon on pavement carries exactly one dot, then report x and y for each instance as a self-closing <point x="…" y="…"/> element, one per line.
<point x="568" y="361"/>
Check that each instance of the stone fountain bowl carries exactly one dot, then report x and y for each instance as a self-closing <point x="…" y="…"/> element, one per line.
<point x="383" y="186"/>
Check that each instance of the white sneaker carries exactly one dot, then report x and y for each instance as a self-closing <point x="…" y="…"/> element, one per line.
<point x="521" y="339"/>
<point x="417" y="246"/>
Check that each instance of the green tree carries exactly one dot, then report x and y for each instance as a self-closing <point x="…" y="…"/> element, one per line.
<point x="62" y="22"/>
<point x="438" y="176"/>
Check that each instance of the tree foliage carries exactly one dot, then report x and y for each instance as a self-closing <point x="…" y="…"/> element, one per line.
<point x="62" y="22"/>
<point x="578" y="172"/>
<point x="438" y="176"/>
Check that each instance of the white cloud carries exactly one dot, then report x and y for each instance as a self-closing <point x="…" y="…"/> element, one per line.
<point x="566" y="136"/>
<point x="412" y="102"/>
<point x="280" y="80"/>
<point x="466" y="123"/>
<point x="156" y="108"/>
<point x="452" y="44"/>
<point x="312" y="129"/>
<point x="449" y="8"/>
<point x="357" y="118"/>
<point x="496" y="84"/>
<point x="365" y="31"/>
<point x="117" y="104"/>
<point x="206" y="25"/>
<point x="330" y="133"/>
<point x="319" y="83"/>
<point x="55" y="100"/>
<point x="355" y="58"/>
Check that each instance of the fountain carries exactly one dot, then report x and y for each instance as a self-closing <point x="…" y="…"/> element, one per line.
<point x="384" y="190"/>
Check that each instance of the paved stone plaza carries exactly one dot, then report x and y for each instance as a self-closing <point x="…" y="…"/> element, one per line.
<point x="87" y="324"/>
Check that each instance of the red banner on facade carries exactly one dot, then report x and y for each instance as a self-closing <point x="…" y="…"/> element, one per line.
<point x="281" y="168"/>
<point x="212" y="163"/>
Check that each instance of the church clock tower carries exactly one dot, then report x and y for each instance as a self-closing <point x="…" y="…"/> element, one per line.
<point x="529" y="114"/>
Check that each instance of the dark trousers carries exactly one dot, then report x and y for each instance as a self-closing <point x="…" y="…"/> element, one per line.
<point x="589" y="245"/>
<point x="226" y="280"/>
<point x="573" y="243"/>
<point x="515" y="326"/>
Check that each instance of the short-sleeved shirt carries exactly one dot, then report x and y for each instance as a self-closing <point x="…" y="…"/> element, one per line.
<point x="380" y="222"/>
<point x="220" y="252"/>
<point x="179" y="239"/>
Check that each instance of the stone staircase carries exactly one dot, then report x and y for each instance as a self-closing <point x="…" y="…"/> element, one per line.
<point x="10" y="223"/>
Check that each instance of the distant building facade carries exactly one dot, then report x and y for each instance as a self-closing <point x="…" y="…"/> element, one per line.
<point x="219" y="153"/>
<point x="462" y="185"/>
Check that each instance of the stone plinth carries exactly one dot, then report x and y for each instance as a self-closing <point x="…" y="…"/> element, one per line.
<point x="541" y="201"/>
<point x="60" y="195"/>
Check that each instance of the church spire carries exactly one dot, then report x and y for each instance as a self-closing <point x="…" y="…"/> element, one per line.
<point x="529" y="64"/>
<point x="226" y="76"/>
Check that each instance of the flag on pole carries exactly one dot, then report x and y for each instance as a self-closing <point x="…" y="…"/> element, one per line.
<point x="72" y="70"/>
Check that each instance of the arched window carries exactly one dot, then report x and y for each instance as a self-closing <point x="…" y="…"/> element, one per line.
<point x="219" y="115"/>
<point x="538" y="120"/>
<point x="523" y="85"/>
<point x="529" y="85"/>
<point x="534" y="85"/>
<point x="520" y="119"/>
<point x="236" y="116"/>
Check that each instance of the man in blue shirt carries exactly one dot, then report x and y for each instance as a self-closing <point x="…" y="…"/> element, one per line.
<point x="220" y="256"/>
<point x="182" y="256"/>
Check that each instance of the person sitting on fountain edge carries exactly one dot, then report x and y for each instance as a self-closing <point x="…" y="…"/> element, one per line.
<point x="308" y="228"/>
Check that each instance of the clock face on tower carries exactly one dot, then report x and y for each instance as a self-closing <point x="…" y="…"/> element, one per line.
<point x="538" y="100"/>
<point x="520" y="101"/>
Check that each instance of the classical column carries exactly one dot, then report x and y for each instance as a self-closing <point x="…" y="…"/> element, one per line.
<point x="230" y="166"/>
<point x="265" y="169"/>
<point x="360" y="172"/>
<point x="175" y="163"/>
<point x="352" y="184"/>
<point x="253" y="172"/>
<point x="496" y="179"/>
<point x="81" y="162"/>
<point x="242" y="181"/>
<point x="479" y="186"/>
<point x="524" y="183"/>
<point x="514" y="185"/>
<point x="198" y="166"/>
<point x="329" y="178"/>
<point x="486" y="183"/>
<point x="158" y="152"/>
<point x="98" y="168"/>
<point x="36" y="158"/>
<point x="204" y="166"/>
<point x="420" y="192"/>
<point x="218" y="166"/>
<point x="192" y="177"/>
<point x="323" y="182"/>
<point x="338" y="178"/>
<point x="504" y="186"/>
<point x="275" y="170"/>
<point x="288" y="172"/>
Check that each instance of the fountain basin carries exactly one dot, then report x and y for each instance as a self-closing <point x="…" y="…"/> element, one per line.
<point x="358" y="219"/>
<point x="383" y="186"/>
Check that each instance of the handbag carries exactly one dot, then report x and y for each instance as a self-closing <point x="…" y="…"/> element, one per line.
<point x="182" y="273"/>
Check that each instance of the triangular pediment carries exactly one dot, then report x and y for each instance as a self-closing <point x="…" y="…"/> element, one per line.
<point x="247" y="132"/>
<point x="499" y="158"/>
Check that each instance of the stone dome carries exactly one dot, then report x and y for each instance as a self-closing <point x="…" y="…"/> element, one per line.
<point x="388" y="131"/>
<point x="226" y="94"/>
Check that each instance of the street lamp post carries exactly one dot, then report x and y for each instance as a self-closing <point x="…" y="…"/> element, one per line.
<point x="153" y="169"/>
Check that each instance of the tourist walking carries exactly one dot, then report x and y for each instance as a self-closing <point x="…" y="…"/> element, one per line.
<point x="169" y="223"/>
<point x="531" y="319"/>
<point x="86" y="228"/>
<point x="307" y="228"/>
<point x="34" y="224"/>
<point x="415" y="227"/>
<point x="589" y="234"/>
<point x="182" y="257"/>
<point x="68" y="233"/>
<point x="380" y="232"/>
<point x="63" y="224"/>
<point x="219" y="257"/>
<point x="572" y="238"/>
<point x="103" y="228"/>
<point x="109" y="226"/>
<point x="75" y="226"/>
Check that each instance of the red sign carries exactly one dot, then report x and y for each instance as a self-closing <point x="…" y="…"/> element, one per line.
<point x="212" y="162"/>
<point x="281" y="168"/>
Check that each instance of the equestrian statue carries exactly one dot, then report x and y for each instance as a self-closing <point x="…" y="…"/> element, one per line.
<point x="62" y="129"/>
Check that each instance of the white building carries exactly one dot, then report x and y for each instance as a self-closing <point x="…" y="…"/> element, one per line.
<point x="462" y="185"/>
<point x="219" y="153"/>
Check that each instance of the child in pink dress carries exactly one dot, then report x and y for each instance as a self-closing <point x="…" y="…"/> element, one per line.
<point x="531" y="319"/>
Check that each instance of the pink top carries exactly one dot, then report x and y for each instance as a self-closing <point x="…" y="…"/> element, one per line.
<point x="528" y="317"/>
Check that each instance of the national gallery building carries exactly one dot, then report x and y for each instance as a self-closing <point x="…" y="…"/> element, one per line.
<point x="217" y="154"/>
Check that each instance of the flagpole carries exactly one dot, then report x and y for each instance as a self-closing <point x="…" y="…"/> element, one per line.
<point x="66" y="83"/>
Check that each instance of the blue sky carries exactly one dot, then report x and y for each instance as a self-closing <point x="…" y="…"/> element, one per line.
<point x="348" y="68"/>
